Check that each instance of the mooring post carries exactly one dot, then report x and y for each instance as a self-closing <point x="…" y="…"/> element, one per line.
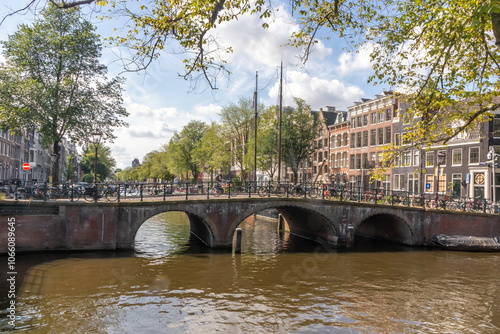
<point x="237" y="246"/>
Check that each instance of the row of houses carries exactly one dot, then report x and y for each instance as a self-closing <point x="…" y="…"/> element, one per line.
<point x="18" y="149"/>
<point x="350" y="145"/>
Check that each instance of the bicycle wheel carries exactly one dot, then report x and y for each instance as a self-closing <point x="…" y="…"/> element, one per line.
<point x="234" y="191"/>
<point x="53" y="194"/>
<point x="89" y="195"/>
<point x="297" y="192"/>
<point x="111" y="195"/>
<point x="72" y="195"/>
<point x="280" y="191"/>
<point x="314" y="192"/>
<point x="394" y="199"/>
<point x="216" y="191"/>
<point x="263" y="191"/>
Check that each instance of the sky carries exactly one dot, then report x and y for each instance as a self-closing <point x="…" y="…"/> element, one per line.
<point x="160" y="102"/>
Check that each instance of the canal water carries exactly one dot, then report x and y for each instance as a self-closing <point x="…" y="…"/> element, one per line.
<point x="279" y="284"/>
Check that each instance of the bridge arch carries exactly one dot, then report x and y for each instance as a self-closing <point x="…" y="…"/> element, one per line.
<point x="303" y="219"/>
<point x="385" y="226"/>
<point x="202" y="228"/>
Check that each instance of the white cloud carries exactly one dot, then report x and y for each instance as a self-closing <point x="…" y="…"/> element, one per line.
<point x="316" y="91"/>
<point x="358" y="61"/>
<point x="211" y="110"/>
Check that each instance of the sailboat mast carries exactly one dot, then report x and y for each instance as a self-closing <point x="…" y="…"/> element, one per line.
<point x="279" y="133"/>
<point x="255" y="133"/>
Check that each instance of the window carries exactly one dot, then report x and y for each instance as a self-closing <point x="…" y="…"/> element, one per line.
<point x="365" y="120"/>
<point x="339" y="160"/>
<point x="353" y="140"/>
<point x="473" y="155"/>
<point x="388" y="114"/>
<point x="320" y="143"/>
<point x="429" y="159"/>
<point x="373" y="117"/>
<point x="315" y="157"/>
<point x="339" y="140"/>
<point x="416" y="158"/>
<point x="332" y="141"/>
<point x="441" y="179"/>
<point x="429" y="183"/>
<point x="353" y="123"/>
<point x="381" y="116"/>
<point x="397" y="139"/>
<point x="388" y="135"/>
<point x="359" y="122"/>
<point x="457" y="157"/>
<point x="372" y="159"/>
<point x="407" y="159"/>
<point x="373" y="137"/>
<point x="399" y="182"/>
<point x="364" y="160"/>
<point x="344" y="159"/>
<point x="320" y="156"/>
<point x="456" y="179"/>
<point x="352" y="182"/>
<point x="314" y="170"/>
<point x="386" y="183"/>
<point x="325" y="142"/>
<point x="496" y="127"/>
<point x="351" y="165"/>
<point x="365" y="138"/>
<point x="413" y="184"/>
<point x="345" y="139"/>
<point x="358" y="139"/>
<point x="406" y="118"/>
<point x="380" y="132"/>
<point x="358" y="161"/>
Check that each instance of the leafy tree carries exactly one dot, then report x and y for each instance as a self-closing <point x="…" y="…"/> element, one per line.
<point x="238" y="124"/>
<point x="105" y="162"/>
<point x="267" y="150"/>
<point x="299" y="129"/>
<point x="181" y="149"/>
<point x="128" y="174"/>
<point x="213" y="153"/>
<point x="52" y="81"/>
<point x="70" y="169"/>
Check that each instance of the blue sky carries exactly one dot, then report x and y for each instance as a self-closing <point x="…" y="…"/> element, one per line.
<point x="160" y="102"/>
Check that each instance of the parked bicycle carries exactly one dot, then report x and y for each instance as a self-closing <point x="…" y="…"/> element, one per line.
<point x="94" y="193"/>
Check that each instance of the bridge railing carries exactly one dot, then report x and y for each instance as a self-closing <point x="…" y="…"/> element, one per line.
<point x="140" y="191"/>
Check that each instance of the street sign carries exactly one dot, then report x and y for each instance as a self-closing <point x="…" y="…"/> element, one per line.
<point x="427" y="186"/>
<point x="26" y="166"/>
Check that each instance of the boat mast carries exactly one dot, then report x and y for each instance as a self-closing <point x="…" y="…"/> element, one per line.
<point x="279" y="133"/>
<point x="255" y="133"/>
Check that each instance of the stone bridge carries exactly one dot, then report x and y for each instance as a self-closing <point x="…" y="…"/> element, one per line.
<point x="98" y="226"/>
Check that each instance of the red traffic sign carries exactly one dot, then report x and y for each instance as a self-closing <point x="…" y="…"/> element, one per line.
<point x="26" y="166"/>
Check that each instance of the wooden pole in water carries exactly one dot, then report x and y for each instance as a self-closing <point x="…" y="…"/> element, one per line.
<point x="237" y="246"/>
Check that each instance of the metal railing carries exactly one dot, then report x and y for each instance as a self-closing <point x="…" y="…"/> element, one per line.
<point x="140" y="191"/>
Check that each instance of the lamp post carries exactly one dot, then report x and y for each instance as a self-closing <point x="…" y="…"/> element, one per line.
<point x="440" y="156"/>
<point x="96" y="139"/>
<point x="491" y="156"/>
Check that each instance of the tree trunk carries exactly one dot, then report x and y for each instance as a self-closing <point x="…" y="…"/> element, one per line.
<point x="55" y="165"/>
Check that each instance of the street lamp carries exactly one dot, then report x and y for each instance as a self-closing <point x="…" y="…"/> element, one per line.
<point x="95" y="137"/>
<point x="441" y="155"/>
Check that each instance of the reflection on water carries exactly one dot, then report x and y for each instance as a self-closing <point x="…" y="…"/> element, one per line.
<point x="278" y="284"/>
